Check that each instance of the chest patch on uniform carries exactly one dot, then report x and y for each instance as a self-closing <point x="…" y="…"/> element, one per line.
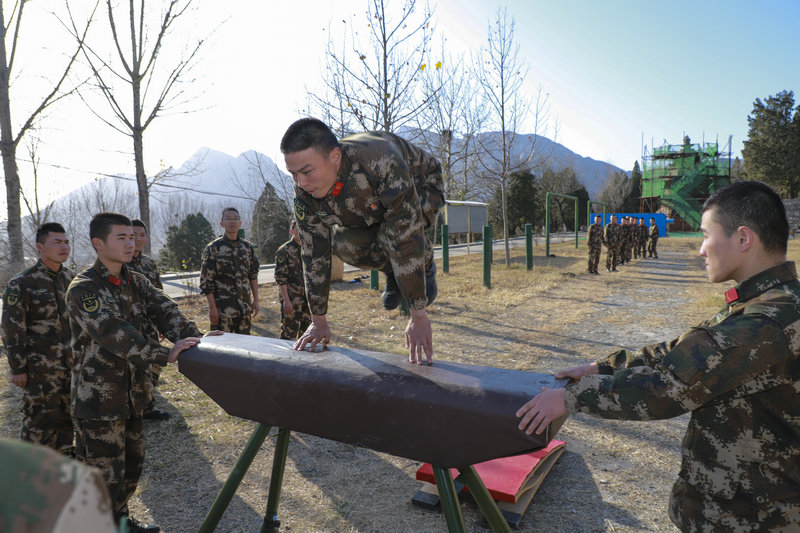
<point x="90" y="302"/>
<point x="299" y="209"/>
<point x="12" y="296"/>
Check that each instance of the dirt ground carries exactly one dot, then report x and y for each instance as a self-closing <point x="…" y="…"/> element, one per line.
<point x="614" y="476"/>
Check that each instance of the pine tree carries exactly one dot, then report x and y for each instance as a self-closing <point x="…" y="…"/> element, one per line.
<point x="186" y="242"/>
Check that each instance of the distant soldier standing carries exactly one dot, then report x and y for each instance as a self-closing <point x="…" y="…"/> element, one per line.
<point x="229" y="278"/>
<point x="651" y="247"/>
<point x="37" y="338"/>
<point x="623" y="240"/>
<point x="642" y="230"/>
<point x="368" y="200"/>
<point x="595" y="240"/>
<point x="112" y="311"/>
<point x="147" y="267"/>
<point x="611" y="240"/>
<point x="295" y="314"/>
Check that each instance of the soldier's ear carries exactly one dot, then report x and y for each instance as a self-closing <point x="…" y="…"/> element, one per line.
<point x="39" y="246"/>
<point x="98" y="243"/>
<point x="335" y="156"/>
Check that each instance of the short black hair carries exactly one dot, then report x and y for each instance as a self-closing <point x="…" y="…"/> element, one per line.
<point x="101" y="223"/>
<point x="225" y="210"/>
<point x="138" y="224"/>
<point x="308" y="133"/>
<point x="755" y="205"/>
<point x="46" y="229"/>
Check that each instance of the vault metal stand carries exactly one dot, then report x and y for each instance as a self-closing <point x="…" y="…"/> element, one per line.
<point x="444" y="481"/>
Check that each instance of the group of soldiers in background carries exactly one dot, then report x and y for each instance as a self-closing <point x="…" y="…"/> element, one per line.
<point x="624" y="242"/>
<point x="40" y="340"/>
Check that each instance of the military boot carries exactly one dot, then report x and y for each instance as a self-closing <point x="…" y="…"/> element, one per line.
<point x="134" y="526"/>
<point x="391" y="293"/>
<point x="431" y="290"/>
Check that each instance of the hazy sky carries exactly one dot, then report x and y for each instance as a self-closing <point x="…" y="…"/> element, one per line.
<point x="616" y="72"/>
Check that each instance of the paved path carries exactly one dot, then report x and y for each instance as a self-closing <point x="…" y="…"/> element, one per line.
<point x="181" y="285"/>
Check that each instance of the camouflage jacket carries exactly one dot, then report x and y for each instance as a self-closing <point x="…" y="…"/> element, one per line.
<point x="226" y="271"/>
<point x="50" y="492"/>
<point x="108" y="317"/>
<point x="595" y="235"/>
<point x="289" y="268"/>
<point x="738" y="374"/>
<point x="642" y="232"/>
<point x="146" y="266"/>
<point x="383" y="181"/>
<point x="35" y="326"/>
<point x="611" y="235"/>
<point x="653" y="232"/>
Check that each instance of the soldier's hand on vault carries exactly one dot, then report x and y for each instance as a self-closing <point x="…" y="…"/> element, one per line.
<point x="317" y="332"/>
<point x="541" y="410"/>
<point x="20" y="380"/>
<point x="577" y="372"/>
<point x="181" y="345"/>
<point x="419" y="337"/>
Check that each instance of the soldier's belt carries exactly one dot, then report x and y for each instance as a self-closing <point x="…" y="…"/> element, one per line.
<point x="448" y="414"/>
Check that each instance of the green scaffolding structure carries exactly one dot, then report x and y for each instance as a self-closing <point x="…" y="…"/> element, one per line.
<point x="677" y="178"/>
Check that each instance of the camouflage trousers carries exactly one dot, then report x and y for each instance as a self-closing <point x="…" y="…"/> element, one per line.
<point x="636" y="249"/>
<point x="153" y="373"/>
<point x="651" y="248"/>
<point x="365" y="248"/>
<point x="46" y="412"/>
<point x="116" y="447"/>
<point x="612" y="257"/>
<point x="641" y="248"/>
<point x="691" y="511"/>
<point x="233" y="323"/>
<point x="295" y="324"/>
<point x="594" y="258"/>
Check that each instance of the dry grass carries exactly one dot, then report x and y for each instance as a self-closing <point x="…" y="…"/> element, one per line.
<point x="615" y="476"/>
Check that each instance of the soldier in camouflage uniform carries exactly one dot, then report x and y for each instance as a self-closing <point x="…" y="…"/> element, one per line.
<point x="623" y="240"/>
<point x="50" y="493"/>
<point x="112" y="311"/>
<point x="611" y="240"/>
<point x="737" y="374"/>
<point x="641" y="248"/>
<point x="295" y="314"/>
<point x="595" y="240"/>
<point x="629" y="236"/>
<point x="651" y="247"/>
<point x="37" y="338"/>
<point x="367" y="199"/>
<point x="229" y="278"/>
<point x="147" y="267"/>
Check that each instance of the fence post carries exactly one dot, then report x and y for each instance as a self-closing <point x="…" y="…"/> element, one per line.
<point x="487" y="257"/>
<point x="529" y="246"/>
<point x="445" y="248"/>
<point x="373" y="280"/>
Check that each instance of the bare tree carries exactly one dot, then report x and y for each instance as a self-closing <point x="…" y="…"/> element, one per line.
<point x="37" y="214"/>
<point x="9" y="141"/>
<point x="616" y="188"/>
<point x="373" y="83"/>
<point x="501" y="73"/>
<point x="135" y="74"/>
<point x="454" y="116"/>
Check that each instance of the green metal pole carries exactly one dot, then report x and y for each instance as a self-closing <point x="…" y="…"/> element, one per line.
<point x="529" y="246"/>
<point x="484" y="500"/>
<point x="588" y="214"/>
<point x="547" y="225"/>
<point x="234" y="479"/>
<point x="445" y="248"/>
<point x="373" y="280"/>
<point x="487" y="257"/>
<point x="449" y="499"/>
<point x="271" y="522"/>
<point x="576" y="223"/>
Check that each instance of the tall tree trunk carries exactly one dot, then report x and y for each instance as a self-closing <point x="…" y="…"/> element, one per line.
<point x="8" y="147"/>
<point x="138" y="157"/>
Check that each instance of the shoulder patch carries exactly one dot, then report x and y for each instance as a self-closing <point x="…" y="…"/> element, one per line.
<point x="90" y="302"/>
<point x="12" y="296"/>
<point x="299" y="209"/>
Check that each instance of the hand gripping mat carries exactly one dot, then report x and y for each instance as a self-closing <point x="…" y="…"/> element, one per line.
<point x="447" y="414"/>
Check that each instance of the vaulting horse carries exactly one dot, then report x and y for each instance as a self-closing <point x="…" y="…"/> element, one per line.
<point x="451" y="415"/>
